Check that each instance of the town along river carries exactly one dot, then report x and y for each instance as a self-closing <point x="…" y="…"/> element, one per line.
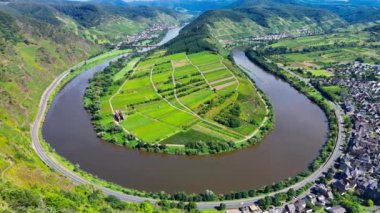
<point x="299" y="133"/>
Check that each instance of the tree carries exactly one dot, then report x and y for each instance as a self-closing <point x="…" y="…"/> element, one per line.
<point x="115" y="202"/>
<point x="359" y="59"/>
<point x="370" y="202"/>
<point x="181" y="205"/>
<point x="208" y="195"/>
<point x="265" y="202"/>
<point x="291" y="193"/>
<point x="222" y="206"/>
<point x="191" y="206"/>
<point x="146" y="207"/>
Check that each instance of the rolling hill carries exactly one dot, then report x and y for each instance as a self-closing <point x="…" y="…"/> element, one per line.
<point x="180" y="5"/>
<point x="251" y="18"/>
<point x="101" y="23"/>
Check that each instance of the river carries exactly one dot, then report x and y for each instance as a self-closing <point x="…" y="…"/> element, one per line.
<point x="299" y="133"/>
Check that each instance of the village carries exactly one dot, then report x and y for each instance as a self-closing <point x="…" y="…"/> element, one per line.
<point x="149" y="33"/>
<point x="358" y="170"/>
<point x="268" y="37"/>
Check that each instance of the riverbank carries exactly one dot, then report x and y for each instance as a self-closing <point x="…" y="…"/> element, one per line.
<point x="336" y="138"/>
<point x="280" y="142"/>
<point x="74" y="142"/>
<point x="208" y="204"/>
<point x="102" y="101"/>
<point x="57" y="162"/>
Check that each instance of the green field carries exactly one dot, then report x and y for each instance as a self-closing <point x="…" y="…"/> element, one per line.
<point x="310" y="56"/>
<point x="320" y="40"/>
<point x="179" y="98"/>
<point x="334" y="92"/>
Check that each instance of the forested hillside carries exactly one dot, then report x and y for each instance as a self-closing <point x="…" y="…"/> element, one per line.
<point x="253" y="18"/>
<point x="188" y="5"/>
<point x="37" y="43"/>
<point x="101" y="23"/>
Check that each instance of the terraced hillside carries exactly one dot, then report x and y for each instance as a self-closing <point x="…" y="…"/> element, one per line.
<point x="182" y="99"/>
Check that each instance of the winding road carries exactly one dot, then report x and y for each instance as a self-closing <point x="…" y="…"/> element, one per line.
<point x="54" y="164"/>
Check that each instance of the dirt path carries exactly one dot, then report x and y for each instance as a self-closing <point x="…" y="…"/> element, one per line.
<point x="11" y="164"/>
<point x="225" y="85"/>
<point x="221" y="80"/>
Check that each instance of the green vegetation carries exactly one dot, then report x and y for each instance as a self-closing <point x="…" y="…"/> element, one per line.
<point x="333" y="93"/>
<point x="30" y="58"/>
<point x="38" y="41"/>
<point x="352" y="202"/>
<point x="177" y="104"/>
<point x="29" y="62"/>
<point x="99" y="23"/>
<point x="314" y="96"/>
<point x="217" y="28"/>
<point x="78" y="198"/>
<point x="314" y="56"/>
<point x="34" y="49"/>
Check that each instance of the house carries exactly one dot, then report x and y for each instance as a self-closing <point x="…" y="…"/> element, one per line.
<point x="340" y="186"/>
<point x="369" y="187"/>
<point x="345" y="163"/>
<point x="245" y="209"/>
<point x="300" y="205"/>
<point x="274" y="210"/>
<point x="255" y="209"/>
<point x="311" y="198"/>
<point x="377" y="171"/>
<point x="351" y="183"/>
<point x="321" y="200"/>
<point x="323" y="190"/>
<point x="118" y="116"/>
<point x="233" y="211"/>
<point x="336" y="209"/>
<point x="290" y="208"/>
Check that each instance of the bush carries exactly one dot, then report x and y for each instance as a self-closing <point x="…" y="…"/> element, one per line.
<point x="115" y="202"/>
<point x="222" y="206"/>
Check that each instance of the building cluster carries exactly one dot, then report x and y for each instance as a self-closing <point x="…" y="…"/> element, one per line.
<point x="359" y="168"/>
<point x="149" y="33"/>
<point x="301" y="205"/>
<point x="118" y="116"/>
<point x="270" y="37"/>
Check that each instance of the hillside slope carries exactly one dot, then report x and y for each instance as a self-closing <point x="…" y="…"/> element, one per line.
<point x="184" y="5"/>
<point x="101" y="23"/>
<point x="33" y="51"/>
<point x="252" y="18"/>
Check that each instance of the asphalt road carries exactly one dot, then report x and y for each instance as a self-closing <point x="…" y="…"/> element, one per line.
<point x="313" y="177"/>
<point x="55" y="165"/>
